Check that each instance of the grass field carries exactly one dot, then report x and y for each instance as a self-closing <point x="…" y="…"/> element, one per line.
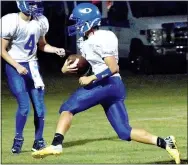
<point x="156" y="103"/>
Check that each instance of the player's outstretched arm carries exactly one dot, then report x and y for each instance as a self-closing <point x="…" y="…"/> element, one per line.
<point x="44" y="46"/>
<point x="9" y="59"/>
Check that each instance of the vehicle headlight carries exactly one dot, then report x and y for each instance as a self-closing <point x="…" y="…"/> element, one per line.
<point x="155" y="36"/>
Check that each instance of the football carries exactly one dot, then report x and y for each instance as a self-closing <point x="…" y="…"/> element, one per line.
<point x="84" y="68"/>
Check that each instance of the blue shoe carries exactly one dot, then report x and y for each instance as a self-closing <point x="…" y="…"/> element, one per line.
<point x="38" y="145"/>
<point x="17" y="145"/>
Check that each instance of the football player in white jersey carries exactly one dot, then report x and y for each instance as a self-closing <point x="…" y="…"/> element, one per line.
<point x="105" y="87"/>
<point x="20" y="34"/>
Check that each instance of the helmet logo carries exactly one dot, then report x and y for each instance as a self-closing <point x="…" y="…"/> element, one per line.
<point x="86" y="10"/>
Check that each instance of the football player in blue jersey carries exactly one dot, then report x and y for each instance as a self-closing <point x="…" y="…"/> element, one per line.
<point x="105" y="87"/>
<point x="20" y="34"/>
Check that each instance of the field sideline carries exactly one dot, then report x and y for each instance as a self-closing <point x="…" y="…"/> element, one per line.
<point x="156" y="103"/>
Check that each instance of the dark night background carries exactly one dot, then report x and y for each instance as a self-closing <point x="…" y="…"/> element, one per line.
<point x="57" y="36"/>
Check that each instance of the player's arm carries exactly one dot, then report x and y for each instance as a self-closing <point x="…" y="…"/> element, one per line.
<point x="44" y="46"/>
<point x="9" y="59"/>
<point x="112" y="64"/>
<point x="109" y="49"/>
<point x="112" y="69"/>
<point x="5" y="54"/>
<point x="7" y="31"/>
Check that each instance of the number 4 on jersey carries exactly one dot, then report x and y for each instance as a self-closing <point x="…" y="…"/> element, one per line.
<point x="30" y="45"/>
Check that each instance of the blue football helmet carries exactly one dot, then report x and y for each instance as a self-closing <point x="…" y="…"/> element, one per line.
<point x="86" y="16"/>
<point x="32" y="8"/>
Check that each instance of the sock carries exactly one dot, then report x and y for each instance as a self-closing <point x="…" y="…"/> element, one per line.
<point x="58" y="139"/>
<point x="20" y="123"/>
<point x="161" y="143"/>
<point x="39" y="127"/>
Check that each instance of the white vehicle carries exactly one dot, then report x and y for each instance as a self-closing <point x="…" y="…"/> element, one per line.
<point x="148" y="29"/>
<point x="161" y="25"/>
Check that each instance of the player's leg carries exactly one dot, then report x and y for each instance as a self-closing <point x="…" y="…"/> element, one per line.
<point x="82" y="99"/>
<point x="118" y="118"/>
<point x="17" y="86"/>
<point x="37" y="99"/>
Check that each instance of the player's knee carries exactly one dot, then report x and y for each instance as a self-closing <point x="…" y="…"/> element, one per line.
<point x="124" y="136"/>
<point x="125" y="133"/>
<point x="23" y="102"/>
<point x="39" y="105"/>
<point x="40" y="110"/>
<point x="66" y="108"/>
<point x="41" y="113"/>
<point x="61" y="110"/>
<point x="24" y="109"/>
<point x="67" y="111"/>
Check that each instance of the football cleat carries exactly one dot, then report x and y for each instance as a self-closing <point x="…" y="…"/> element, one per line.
<point x="50" y="150"/>
<point x="17" y="145"/>
<point x="38" y="145"/>
<point x="172" y="148"/>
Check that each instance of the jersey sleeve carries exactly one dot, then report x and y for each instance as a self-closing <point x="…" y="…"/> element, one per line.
<point x="8" y="25"/>
<point x="44" y="24"/>
<point x="108" y="46"/>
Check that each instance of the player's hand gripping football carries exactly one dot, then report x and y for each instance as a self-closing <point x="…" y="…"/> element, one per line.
<point x="69" y="67"/>
<point x="60" y="52"/>
<point x="21" y="69"/>
<point x="86" y="80"/>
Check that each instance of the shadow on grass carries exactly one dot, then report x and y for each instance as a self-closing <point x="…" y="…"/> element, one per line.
<point x="26" y="151"/>
<point x="183" y="161"/>
<point x="84" y="141"/>
<point x="80" y="142"/>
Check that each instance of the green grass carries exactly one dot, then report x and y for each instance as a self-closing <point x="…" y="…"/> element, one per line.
<point x="156" y="103"/>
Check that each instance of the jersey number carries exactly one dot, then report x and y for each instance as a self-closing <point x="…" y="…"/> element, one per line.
<point x="30" y="45"/>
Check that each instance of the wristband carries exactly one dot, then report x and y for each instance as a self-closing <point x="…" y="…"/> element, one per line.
<point x="104" y="74"/>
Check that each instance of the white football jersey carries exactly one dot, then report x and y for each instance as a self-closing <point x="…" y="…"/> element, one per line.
<point x="101" y="44"/>
<point x="24" y="35"/>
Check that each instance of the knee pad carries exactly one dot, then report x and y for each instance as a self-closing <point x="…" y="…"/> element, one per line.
<point x="124" y="132"/>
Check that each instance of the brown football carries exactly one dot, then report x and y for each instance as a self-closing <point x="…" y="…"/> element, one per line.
<point x="83" y="65"/>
